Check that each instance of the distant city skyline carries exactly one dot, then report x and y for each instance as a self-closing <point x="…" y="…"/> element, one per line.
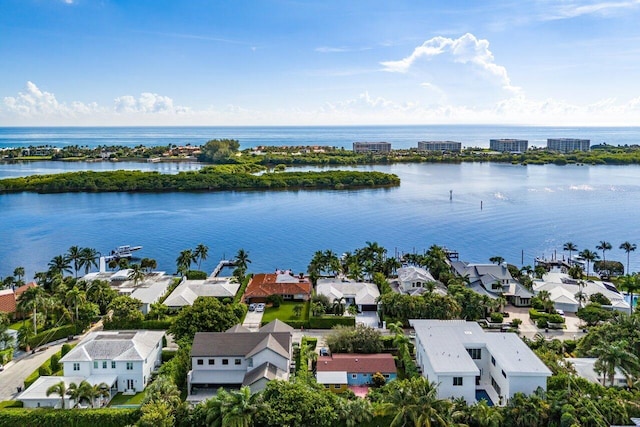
<point x="282" y="62"/>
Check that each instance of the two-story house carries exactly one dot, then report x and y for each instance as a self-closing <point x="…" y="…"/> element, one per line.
<point x="414" y="280"/>
<point x="472" y="364"/>
<point x="239" y="357"/>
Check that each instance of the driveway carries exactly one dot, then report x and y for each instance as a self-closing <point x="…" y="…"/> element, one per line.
<point x="252" y="320"/>
<point x="529" y="329"/>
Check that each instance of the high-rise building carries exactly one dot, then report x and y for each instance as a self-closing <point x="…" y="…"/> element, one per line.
<point x="568" y="145"/>
<point x="439" y="146"/>
<point x="371" y="147"/>
<point x="509" y="145"/>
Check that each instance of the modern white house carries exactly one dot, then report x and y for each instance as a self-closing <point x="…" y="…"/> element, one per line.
<point x="413" y="280"/>
<point x="585" y="368"/>
<point x="363" y="295"/>
<point x="564" y="292"/>
<point x="127" y="356"/>
<point x="239" y="357"/>
<point x="464" y="361"/>
<point x="188" y="290"/>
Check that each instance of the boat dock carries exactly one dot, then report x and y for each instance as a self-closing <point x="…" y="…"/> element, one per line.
<point x="222" y="264"/>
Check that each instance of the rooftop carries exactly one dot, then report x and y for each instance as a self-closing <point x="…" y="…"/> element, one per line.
<point x="278" y="283"/>
<point x="357" y="363"/>
<point x="115" y="345"/>
<point x="188" y="290"/>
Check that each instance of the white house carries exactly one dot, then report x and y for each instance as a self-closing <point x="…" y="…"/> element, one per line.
<point x="413" y="280"/>
<point x="239" y="357"/>
<point x="493" y="280"/>
<point x="36" y="395"/>
<point x="188" y="290"/>
<point x="363" y="295"/>
<point x="129" y="357"/>
<point x="467" y="362"/>
<point x="585" y="368"/>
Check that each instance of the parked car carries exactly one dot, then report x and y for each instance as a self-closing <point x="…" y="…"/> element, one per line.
<point x="1" y="367"/>
<point x="260" y="307"/>
<point x="324" y="351"/>
<point x="252" y="307"/>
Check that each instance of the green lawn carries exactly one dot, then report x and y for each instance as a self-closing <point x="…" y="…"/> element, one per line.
<point x="121" y="399"/>
<point x="285" y="312"/>
<point x="17" y="325"/>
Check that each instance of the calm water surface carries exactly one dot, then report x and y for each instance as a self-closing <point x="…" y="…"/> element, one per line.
<point x="531" y="208"/>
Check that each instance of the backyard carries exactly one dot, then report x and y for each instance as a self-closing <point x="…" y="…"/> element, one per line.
<point x="127" y="399"/>
<point x="286" y="312"/>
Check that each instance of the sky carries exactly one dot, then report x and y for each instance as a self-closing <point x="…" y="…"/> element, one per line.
<point x="296" y="62"/>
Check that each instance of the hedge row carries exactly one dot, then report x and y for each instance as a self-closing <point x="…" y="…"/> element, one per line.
<point x="331" y="321"/>
<point x="50" y="335"/>
<point x="108" y="417"/>
<point x="6" y="355"/>
<point x="152" y="325"/>
<point x="549" y="317"/>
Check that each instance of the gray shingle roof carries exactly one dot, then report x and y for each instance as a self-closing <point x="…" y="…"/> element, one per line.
<point x="115" y="345"/>
<point x="266" y="370"/>
<point x="241" y="344"/>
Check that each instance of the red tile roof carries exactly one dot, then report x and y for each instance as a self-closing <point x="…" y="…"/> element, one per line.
<point x="7" y="301"/>
<point x="23" y="288"/>
<point x="263" y="285"/>
<point x="357" y="363"/>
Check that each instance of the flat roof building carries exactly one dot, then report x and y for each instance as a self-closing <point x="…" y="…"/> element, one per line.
<point x="509" y="145"/>
<point x="439" y="146"/>
<point x="371" y="147"/>
<point x="568" y="145"/>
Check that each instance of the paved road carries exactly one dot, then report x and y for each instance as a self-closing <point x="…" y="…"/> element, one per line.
<point x="14" y="374"/>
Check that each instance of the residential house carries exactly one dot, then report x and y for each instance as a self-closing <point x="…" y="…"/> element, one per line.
<point x="36" y="395"/>
<point x="414" y="280"/>
<point x="585" y="368"/>
<point x="565" y="291"/>
<point x="283" y="283"/>
<point x="188" y="290"/>
<point x="363" y="295"/>
<point x="9" y="298"/>
<point x="126" y="358"/>
<point x="467" y="362"/>
<point x="339" y="371"/>
<point x="493" y="280"/>
<point x="239" y="357"/>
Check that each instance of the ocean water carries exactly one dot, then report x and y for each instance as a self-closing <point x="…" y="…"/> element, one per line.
<point x="517" y="212"/>
<point x="338" y="136"/>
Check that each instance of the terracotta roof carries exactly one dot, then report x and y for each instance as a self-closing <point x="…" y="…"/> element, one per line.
<point x="357" y="363"/>
<point x="7" y="301"/>
<point x="264" y="285"/>
<point x="23" y="288"/>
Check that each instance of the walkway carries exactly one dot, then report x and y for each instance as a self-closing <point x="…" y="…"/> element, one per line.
<point x="222" y="264"/>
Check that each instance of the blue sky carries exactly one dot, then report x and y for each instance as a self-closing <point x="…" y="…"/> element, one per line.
<point x="106" y="62"/>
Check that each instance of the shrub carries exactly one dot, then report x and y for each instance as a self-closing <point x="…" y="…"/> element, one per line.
<point x="275" y="300"/>
<point x="44" y="370"/>
<point x="108" y="417"/>
<point x="312" y="342"/>
<point x="516" y="322"/>
<point x="31" y="378"/>
<point x="11" y="404"/>
<point x="541" y="323"/>
<point x="330" y="321"/>
<point x="496" y="317"/>
<point x="66" y="348"/>
<point x="555" y="318"/>
<point x="168" y="355"/>
<point x="6" y="355"/>
<point x="55" y="362"/>
<point x="196" y="275"/>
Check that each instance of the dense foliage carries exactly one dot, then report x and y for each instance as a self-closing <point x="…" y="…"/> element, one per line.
<point x="207" y="179"/>
<point x="207" y="314"/>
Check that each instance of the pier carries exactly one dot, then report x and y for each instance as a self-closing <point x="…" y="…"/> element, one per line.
<point x="222" y="264"/>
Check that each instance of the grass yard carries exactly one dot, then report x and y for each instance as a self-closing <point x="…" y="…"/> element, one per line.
<point x="285" y="312"/>
<point x="121" y="399"/>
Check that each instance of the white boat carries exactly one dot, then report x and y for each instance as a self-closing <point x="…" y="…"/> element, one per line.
<point x="124" y="251"/>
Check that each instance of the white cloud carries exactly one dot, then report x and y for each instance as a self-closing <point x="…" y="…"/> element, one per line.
<point x="147" y="103"/>
<point x="466" y="50"/>
<point x="573" y="9"/>
<point x="35" y="102"/>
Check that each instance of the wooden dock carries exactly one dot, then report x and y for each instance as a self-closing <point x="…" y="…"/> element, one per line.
<point x="222" y="264"/>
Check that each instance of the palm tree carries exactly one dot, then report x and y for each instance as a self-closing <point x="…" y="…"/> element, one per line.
<point x="356" y="412"/>
<point x="338" y="306"/>
<point x="588" y="256"/>
<point x="413" y="402"/>
<point x="59" y="264"/>
<point x="628" y="247"/>
<point x="31" y="300"/>
<point x="74" y="254"/>
<point x="485" y="415"/>
<point x="616" y="355"/>
<point x="233" y="408"/>
<point x="76" y="392"/>
<point x="631" y="284"/>
<point x="200" y="253"/>
<point x="88" y="258"/>
<point x="60" y="389"/>
<point x="496" y="260"/>
<point x="569" y="247"/>
<point x="184" y="261"/>
<point x="242" y="260"/>
<point x="75" y="297"/>
<point x="136" y="274"/>
<point x="19" y="273"/>
<point x="96" y="391"/>
<point x="604" y="246"/>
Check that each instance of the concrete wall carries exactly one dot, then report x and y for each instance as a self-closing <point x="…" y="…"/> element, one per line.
<point x="467" y="390"/>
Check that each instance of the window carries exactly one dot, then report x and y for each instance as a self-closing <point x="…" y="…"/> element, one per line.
<point x="457" y="381"/>
<point x="337" y="386"/>
<point x="113" y="365"/>
<point x="354" y="376"/>
<point x="129" y="366"/>
<point x="478" y="380"/>
<point x="76" y="366"/>
<point x="326" y="386"/>
<point x="387" y="376"/>
<point x="95" y="364"/>
<point x="200" y="362"/>
<point x="225" y="361"/>
<point x="475" y="353"/>
<point x="238" y="362"/>
<point x="495" y="385"/>
<point x="250" y="362"/>
<point x="104" y="364"/>
<point x="503" y="374"/>
<point x="212" y="361"/>
<point x="493" y="361"/>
